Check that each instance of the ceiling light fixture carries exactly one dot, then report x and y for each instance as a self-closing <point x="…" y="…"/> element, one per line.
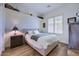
<point x="49" y="6"/>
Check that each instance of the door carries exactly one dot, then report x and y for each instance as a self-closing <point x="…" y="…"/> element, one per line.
<point x="74" y="36"/>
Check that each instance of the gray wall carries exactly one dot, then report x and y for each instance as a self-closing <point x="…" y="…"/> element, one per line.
<point x="28" y="22"/>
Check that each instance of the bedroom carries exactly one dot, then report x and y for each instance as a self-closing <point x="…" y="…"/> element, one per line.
<point x="37" y="18"/>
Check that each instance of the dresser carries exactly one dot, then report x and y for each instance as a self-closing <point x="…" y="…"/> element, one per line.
<point x="16" y="40"/>
<point x="12" y="39"/>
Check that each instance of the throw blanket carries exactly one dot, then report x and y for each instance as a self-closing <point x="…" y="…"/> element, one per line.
<point x="36" y="36"/>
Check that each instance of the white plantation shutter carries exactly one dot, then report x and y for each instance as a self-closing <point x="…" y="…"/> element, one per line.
<point x="55" y="25"/>
<point x="50" y="25"/>
<point x="58" y="24"/>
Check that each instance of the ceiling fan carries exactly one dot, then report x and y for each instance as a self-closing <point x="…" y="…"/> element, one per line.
<point x="15" y="9"/>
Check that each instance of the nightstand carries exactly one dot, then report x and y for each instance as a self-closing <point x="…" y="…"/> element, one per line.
<point x="16" y="40"/>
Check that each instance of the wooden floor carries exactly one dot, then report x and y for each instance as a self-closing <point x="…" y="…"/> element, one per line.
<point x="72" y="52"/>
<point x="26" y="50"/>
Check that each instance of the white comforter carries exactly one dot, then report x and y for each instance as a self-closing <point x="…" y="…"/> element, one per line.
<point x="42" y="42"/>
<point x="47" y="40"/>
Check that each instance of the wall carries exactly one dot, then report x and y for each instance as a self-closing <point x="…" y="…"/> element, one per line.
<point x="30" y="22"/>
<point x="22" y="21"/>
<point x="2" y="17"/>
<point x="67" y="11"/>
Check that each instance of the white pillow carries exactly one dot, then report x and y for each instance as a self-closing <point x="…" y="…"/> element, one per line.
<point x="36" y="32"/>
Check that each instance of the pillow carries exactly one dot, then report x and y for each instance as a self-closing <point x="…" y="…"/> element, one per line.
<point x="36" y="32"/>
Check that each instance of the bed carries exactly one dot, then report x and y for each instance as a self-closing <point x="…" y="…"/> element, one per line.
<point x="42" y="42"/>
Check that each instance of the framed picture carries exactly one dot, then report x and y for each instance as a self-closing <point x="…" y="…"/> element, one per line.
<point x="72" y="20"/>
<point x="44" y="25"/>
<point x="77" y="14"/>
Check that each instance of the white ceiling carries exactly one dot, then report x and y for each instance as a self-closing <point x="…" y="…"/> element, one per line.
<point x="37" y="8"/>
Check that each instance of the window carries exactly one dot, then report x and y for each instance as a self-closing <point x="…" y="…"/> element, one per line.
<point x="55" y="25"/>
<point x="58" y="24"/>
<point x="50" y="25"/>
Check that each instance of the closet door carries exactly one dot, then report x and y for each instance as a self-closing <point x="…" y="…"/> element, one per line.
<point x="74" y="36"/>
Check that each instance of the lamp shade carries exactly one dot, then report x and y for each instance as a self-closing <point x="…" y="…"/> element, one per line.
<point x="15" y="28"/>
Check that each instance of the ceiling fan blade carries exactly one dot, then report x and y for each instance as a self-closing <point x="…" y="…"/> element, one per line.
<point x="10" y="7"/>
<point x="40" y="17"/>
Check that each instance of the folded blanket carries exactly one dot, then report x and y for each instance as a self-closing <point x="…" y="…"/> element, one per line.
<point x="36" y="36"/>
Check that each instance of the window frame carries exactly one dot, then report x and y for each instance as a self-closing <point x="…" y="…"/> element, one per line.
<point x="54" y="24"/>
<point x="48" y="26"/>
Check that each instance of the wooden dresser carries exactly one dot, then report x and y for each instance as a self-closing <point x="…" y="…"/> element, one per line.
<point x="16" y="40"/>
